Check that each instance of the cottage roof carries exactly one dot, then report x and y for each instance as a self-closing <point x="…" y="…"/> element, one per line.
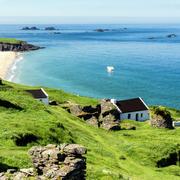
<point x="132" y="105"/>
<point x="38" y="93"/>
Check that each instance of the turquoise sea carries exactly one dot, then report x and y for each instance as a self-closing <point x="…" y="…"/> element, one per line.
<point x="146" y="61"/>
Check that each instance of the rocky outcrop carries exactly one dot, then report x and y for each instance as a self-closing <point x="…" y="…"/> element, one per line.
<point x="19" y="47"/>
<point x="171" y="36"/>
<point x="104" y="115"/>
<point x="30" y="28"/>
<point x="151" y="38"/>
<point x="57" y="33"/>
<point x="101" y="30"/>
<point x="161" y="118"/>
<point x="64" y="162"/>
<point x="50" y="29"/>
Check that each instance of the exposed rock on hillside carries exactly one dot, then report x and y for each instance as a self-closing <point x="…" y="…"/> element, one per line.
<point x="104" y="115"/>
<point x="161" y="118"/>
<point x="19" y="47"/>
<point x="64" y="162"/>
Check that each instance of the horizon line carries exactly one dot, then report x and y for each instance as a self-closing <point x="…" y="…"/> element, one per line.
<point x="87" y="20"/>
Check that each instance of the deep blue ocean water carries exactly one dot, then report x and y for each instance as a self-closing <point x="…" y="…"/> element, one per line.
<point x="76" y="61"/>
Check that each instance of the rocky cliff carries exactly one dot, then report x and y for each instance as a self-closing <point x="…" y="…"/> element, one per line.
<point x="18" y="47"/>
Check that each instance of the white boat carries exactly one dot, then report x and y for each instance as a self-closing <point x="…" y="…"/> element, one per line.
<point x="110" y="69"/>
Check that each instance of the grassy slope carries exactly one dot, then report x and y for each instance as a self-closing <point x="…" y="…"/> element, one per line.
<point x="111" y="155"/>
<point x="10" y="40"/>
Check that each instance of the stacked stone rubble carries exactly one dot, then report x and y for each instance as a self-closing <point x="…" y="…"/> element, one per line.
<point x="105" y="115"/>
<point x="65" y="162"/>
<point x="59" y="162"/>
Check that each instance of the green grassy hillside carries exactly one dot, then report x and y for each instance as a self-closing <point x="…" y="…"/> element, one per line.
<point x="10" y="40"/>
<point x="124" y="154"/>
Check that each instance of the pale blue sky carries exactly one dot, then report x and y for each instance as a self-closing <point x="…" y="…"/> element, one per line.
<point x="150" y="9"/>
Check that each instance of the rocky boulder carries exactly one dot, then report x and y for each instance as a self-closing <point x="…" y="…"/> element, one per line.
<point x="161" y="118"/>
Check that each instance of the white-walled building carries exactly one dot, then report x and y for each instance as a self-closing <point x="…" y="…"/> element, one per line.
<point x="176" y="124"/>
<point x="40" y="95"/>
<point x="134" y="109"/>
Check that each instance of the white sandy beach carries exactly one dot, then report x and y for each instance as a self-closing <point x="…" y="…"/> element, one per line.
<point x="7" y="59"/>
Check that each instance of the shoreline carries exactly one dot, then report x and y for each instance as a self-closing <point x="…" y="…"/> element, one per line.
<point x="8" y="61"/>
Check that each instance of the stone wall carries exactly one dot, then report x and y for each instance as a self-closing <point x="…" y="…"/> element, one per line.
<point x="104" y="115"/>
<point x="53" y="162"/>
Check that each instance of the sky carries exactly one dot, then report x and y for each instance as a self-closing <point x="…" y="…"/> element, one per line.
<point x="88" y="10"/>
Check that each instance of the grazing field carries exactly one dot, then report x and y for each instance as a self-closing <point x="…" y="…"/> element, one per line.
<point x="144" y="153"/>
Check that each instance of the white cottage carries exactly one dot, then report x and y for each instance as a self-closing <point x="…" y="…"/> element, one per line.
<point x="40" y="95"/>
<point x="134" y="109"/>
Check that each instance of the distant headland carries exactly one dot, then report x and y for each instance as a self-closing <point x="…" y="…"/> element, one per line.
<point x="9" y="44"/>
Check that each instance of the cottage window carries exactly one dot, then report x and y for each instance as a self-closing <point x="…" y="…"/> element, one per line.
<point x="141" y="114"/>
<point x="129" y="116"/>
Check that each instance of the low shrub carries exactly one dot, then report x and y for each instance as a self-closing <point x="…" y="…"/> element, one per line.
<point x="163" y="112"/>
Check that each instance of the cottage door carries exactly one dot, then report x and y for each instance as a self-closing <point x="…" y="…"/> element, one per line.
<point x="137" y="117"/>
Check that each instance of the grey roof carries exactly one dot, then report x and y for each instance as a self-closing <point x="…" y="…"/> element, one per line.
<point x="38" y="93"/>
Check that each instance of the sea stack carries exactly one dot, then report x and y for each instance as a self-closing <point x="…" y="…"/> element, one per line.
<point x="30" y="28"/>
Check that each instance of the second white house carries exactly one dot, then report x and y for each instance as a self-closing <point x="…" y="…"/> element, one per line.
<point x="40" y="95"/>
<point x="134" y="109"/>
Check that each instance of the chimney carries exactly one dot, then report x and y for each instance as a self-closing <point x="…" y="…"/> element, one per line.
<point x="113" y="101"/>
